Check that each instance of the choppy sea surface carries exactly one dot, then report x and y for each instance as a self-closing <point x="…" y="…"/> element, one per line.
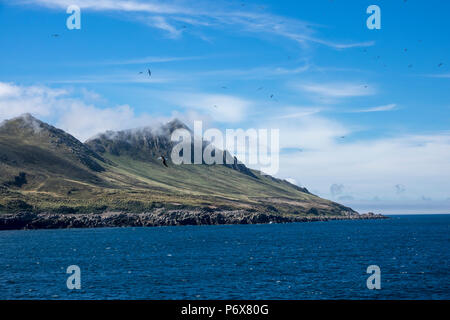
<point x="318" y="260"/>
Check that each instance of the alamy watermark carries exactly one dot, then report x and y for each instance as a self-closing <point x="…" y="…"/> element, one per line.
<point x="374" y="20"/>
<point x="374" y="280"/>
<point x="257" y="148"/>
<point x="74" y="20"/>
<point x="74" y="280"/>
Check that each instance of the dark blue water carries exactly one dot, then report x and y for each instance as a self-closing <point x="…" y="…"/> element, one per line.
<point x="321" y="260"/>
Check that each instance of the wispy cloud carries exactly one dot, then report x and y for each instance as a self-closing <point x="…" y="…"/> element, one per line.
<point x="337" y="45"/>
<point x="253" y="73"/>
<point x="297" y="112"/>
<point x="112" y="5"/>
<point x="123" y="77"/>
<point x="441" y="75"/>
<point x="388" y="107"/>
<point x="163" y="24"/>
<point x="167" y="75"/>
<point x="145" y="60"/>
<point x="337" y="90"/>
<point x="173" y="16"/>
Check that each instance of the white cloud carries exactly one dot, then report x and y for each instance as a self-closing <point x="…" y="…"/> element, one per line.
<point x="73" y="115"/>
<point x="112" y="5"/>
<point x="308" y="131"/>
<point x="163" y="24"/>
<point x="337" y="90"/>
<point x="222" y="108"/>
<point x="144" y="60"/>
<point x="292" y="180"/>
<point x="85" y="121"/>
<point x="8" y="90"/>
<point x="368" y="168"/>
<point x="81" y="118"/>
<point x="371" y="168"/>
<point x="298" y="112"/>
<point x="16" y="100"/>
<point x="388" y="107"/>
<point x="123" y="77"/>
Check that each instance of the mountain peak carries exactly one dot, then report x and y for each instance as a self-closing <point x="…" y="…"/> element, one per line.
<point x="24" y="121"/>
<point x="175" y="124"/>
<point x="37" y="133"/>
<point x="27" y="117"/>
<point x="140" y="143"/>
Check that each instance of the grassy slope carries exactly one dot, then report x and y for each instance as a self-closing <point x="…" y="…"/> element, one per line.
<point x="58" y="180"/>
<point x="137" y="186"/>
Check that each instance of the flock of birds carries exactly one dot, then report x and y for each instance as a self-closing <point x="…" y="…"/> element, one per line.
<point x="405" y="50"/>
<point x="271" y="96"/>
<point x="163" y="159"/>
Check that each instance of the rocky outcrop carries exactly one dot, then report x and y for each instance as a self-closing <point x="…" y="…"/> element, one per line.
<point x="158" y="217"/>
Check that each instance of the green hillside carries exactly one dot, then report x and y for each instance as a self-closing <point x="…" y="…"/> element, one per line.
<point x="45" y="170"/>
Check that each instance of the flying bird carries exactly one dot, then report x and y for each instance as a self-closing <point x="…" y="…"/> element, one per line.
<point x="55" y="35"/>
<point x="163" y="160"/>
<point x="440" y="64"/>
<point x="149" y="72"/>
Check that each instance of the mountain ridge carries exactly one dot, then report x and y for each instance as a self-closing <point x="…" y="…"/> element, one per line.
<point x="148" y="143"/>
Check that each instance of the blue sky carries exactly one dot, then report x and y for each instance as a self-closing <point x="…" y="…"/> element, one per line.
<point x="220" y="61"/>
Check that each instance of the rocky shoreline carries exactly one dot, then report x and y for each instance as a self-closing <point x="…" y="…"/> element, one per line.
<point x="159" y="217"/>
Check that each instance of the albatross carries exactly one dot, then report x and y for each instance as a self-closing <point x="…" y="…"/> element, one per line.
<point x="163" y="160"/>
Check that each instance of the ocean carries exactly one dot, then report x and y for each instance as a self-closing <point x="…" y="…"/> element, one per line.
<point x="317" y="260"/>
